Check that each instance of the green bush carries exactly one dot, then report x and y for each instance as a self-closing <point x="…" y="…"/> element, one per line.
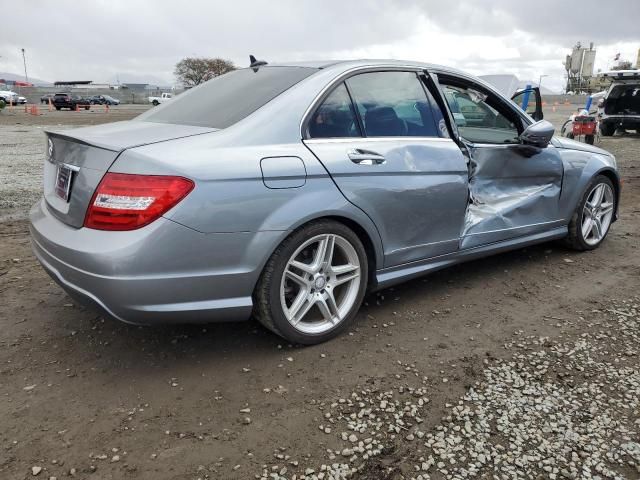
<point x="2" y="104"/>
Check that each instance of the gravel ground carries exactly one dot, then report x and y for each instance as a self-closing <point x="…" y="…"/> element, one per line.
<point x="522" y="365"/>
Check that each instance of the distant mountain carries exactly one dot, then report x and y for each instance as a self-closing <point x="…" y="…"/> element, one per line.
<point x="35" y="81"/>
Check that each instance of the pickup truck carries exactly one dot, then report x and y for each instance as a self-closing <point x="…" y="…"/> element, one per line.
<point x="165" y="97"/>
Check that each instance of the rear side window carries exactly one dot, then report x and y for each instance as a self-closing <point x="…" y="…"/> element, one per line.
<point x="227" y="99"/>
<point x="335" y="117"/>
<point x="393" y="104"/>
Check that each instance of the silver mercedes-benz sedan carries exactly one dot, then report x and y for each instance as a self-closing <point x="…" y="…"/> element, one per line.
<point x="289" y="191"/>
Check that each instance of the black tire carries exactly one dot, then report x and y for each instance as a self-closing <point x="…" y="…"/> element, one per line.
<point x="267" y="307"/>
<point x="607" y="129"/>
<point x="575" y="239"/>
<point x="86" y="108"/>
<point x="58" y="108"/>
<point x="589" y="139"/>
<point x="570" y="135"/>
<point x="156" y="103"/>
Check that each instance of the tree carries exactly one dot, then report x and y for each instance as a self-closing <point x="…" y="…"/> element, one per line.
<point x="193" y="71"/>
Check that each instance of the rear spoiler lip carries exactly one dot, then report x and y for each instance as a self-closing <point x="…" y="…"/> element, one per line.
<point x="72" y="136"/>
<point x="64" y="136"/>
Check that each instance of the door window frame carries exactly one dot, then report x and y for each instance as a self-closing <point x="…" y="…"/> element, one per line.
<point x="342" y="79"/>
<point x="467" y="82"/>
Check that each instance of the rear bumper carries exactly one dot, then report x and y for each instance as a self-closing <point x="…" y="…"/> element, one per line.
<point x="631" y="122"/>
<point x="161" y="273"/>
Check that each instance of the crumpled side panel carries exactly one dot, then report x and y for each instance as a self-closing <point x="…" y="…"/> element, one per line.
<point x="510" y="194"/>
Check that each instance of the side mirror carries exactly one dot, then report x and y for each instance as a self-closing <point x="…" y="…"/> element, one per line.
<point x="538" y="134"/>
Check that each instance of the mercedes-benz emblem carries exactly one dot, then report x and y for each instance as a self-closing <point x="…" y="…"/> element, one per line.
<point x="50" y="150"/>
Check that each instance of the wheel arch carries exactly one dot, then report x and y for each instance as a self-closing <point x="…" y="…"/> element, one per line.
<point x="615" y="180"/>
<point x="368" y="235"/>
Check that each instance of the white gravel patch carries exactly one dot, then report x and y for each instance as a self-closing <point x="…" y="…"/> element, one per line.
<point x="22" y="149"/>
<point x="564" y="408"/>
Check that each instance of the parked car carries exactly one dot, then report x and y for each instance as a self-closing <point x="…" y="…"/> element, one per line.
<point x="288" y="192"/>
<point x="21" y="100"/>
<point x="46" y="97"/>
<point x="165" y="97"/>
<point x="103" y="100"/>
<point x="9" y="97"/>
<point x="621" y="106"/>
<point x="67" y="100"/>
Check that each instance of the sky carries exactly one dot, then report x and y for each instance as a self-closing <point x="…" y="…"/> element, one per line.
<point x="134" y="40"/>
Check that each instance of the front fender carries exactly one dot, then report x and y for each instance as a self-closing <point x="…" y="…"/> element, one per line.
<point x="580" y="167"/>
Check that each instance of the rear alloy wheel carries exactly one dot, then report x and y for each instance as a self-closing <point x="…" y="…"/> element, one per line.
<point x="313" y="284"/>
<point x="593" y="217"/>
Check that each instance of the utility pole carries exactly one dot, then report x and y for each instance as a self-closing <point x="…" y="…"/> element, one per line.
<point x="24" y="60"/>
<point x="540" y="80"/>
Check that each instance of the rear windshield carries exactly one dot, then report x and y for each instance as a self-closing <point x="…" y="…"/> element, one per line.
<point x="227" y="99"/>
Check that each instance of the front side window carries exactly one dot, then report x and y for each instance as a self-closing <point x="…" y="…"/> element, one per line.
<point x="335" y="117"/>
<point x="479" y="117"/>
<point x="229" y="98"/>
<point x="393" y="104"/>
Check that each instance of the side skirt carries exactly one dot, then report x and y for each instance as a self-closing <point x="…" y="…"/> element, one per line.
<point x="392" y="276"/>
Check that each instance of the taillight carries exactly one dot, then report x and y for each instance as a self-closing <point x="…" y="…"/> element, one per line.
<point x="126" y="202"/>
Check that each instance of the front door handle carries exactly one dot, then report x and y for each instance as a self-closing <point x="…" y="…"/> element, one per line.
<point x="365" y="157"/>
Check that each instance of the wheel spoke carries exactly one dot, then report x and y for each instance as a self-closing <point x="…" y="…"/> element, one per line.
<point x="587" y="226"/>
<point x="598" y="193"/>
<point x="347" y="277"/>
<point x="305" y="267"/>
<point x="597" y="228"/>
<point x="586" y="212"/>
<point x="342" y="269"/>
<point x="328" y="308"/>
<point x="296" y="278"/>
<point x="324" y="253"/>
<point x="606" y="208"/>
<point x="300" y="306"/>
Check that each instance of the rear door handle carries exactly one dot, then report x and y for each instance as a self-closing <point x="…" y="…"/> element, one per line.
<point x="365" y="157"/>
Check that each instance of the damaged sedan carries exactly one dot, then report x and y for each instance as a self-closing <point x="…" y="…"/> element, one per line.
<point x="288" y="191"/>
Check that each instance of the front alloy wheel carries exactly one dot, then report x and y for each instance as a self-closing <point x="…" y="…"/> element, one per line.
<point x="313" y="284"/>
<point x="593" y="216"/>
<point x="597" y="214"/>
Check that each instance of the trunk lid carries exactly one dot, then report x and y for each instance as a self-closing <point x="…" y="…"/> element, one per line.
<point x="76" y="160"/>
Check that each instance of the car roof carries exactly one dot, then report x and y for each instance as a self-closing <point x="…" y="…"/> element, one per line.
<point x="365" y="62"/>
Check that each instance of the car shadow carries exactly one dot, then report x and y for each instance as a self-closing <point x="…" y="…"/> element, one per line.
<point x="243" y="342"/>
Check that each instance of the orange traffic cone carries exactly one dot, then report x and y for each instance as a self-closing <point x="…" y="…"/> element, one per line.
<point x="106" y="108"/>
<point x="77" y="108"/>
<point x="50" y="105"/>
<point x="26" y="108"/>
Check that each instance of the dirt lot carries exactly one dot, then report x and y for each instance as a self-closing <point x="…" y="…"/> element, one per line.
<point x="522" y="365"/>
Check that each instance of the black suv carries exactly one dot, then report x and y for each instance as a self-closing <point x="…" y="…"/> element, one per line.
<point x="621" y="105"/>
<point x="66" y="100"/>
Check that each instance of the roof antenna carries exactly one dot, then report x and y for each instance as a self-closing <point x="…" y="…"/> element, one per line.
<point x="255" y="63"/>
